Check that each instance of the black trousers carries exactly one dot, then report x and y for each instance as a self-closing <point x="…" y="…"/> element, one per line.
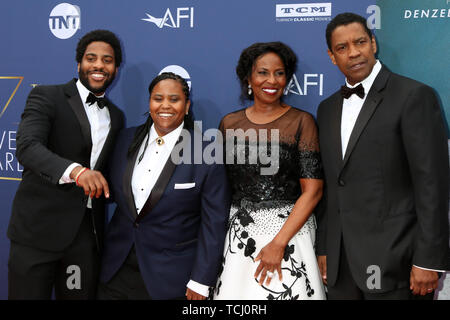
<point x="33" y="274"/>
<point x="126" y="284"/>
<point x="345" y="287"/>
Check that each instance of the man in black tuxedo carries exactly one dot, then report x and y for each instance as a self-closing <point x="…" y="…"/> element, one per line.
<point x="64" y="139"/>
<point x="384" y="229"/>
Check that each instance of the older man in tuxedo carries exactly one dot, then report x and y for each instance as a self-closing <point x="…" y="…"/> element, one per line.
<point x="383" y="232"/>
<point x="65" y="136"/>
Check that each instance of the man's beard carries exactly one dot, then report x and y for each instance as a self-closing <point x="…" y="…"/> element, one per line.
<point x="85" y="81"/>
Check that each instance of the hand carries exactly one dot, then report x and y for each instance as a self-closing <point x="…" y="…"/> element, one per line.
<point x="91" y="181"/>
<point x="192" y="295"/>
<point x="421" y="281"/>
<point x="322" y="262"/>
<point x="270" y="257"/>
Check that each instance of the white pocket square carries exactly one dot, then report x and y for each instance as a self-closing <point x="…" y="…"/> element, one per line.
<point x="184" y="185"/>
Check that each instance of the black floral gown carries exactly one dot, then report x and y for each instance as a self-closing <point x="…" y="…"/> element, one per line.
<point x="264" y="193"/>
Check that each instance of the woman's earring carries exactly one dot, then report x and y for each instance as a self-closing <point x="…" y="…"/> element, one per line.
<point x="249" y="90"/>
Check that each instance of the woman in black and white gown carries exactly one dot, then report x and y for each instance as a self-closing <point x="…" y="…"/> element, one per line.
<point x="269" y="247"/>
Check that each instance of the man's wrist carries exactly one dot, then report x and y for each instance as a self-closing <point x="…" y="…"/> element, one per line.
<point x="75" y="172"/>
<point x="83" y="170"/>
<point x="66" y="177"/>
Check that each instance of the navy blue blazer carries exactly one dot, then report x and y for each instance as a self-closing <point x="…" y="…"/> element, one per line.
<point x="179" y="234"/>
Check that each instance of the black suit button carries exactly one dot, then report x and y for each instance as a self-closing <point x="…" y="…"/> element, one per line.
<point x="136" y="224"/>
<point x="341" y="182"/>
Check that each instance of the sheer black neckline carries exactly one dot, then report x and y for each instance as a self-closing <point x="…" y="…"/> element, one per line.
<point x="266" y="123"/>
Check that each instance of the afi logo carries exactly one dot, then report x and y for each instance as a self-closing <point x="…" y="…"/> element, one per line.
<point x="309" y="80"/>
<point x="64" y="20"/>
<point x="168" y="19"/>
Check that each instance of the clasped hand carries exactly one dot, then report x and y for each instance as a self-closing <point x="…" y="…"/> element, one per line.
<point x="270" y="261"/>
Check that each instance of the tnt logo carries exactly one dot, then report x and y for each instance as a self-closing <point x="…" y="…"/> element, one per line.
<point x="64" y="20"/>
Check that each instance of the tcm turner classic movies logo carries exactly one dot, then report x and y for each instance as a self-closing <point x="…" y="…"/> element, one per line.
<point x="303" y="12"/>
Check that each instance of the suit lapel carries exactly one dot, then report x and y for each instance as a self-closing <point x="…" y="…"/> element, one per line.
<point x="127" y="190"/>
<point x="373" y="99"/>
<point x="161" y="184"/>
<point x="158" y="189"/>
<point x="335" y="127"/>
<point x="76" y="104"/>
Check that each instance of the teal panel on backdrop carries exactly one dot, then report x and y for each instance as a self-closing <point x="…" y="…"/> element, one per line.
<point x="414" y="40"/>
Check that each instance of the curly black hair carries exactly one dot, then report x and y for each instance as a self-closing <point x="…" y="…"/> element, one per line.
<point x="99" y="35"/>
<point x="251" y="54"/>
<point x="344" y="19"/>
<point x="143" y="130"/>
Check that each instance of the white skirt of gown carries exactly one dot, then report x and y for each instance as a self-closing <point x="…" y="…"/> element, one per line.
<point x="250" y="229"/>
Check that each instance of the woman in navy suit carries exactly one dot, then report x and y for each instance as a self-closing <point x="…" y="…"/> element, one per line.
<point x="165" y="238"/>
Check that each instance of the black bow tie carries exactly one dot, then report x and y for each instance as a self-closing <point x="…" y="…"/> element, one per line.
<point x="91" y="99"/>
<point x="346" y="92"/>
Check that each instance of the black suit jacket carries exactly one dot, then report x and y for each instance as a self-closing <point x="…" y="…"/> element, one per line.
<point x="53" y="133"/>
<point x="388" y="197"/>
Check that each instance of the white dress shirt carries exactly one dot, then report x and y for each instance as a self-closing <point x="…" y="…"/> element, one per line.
<point x="351" y="108"/>
<point x="100" y="123"/>
<point x="147" y="171"/>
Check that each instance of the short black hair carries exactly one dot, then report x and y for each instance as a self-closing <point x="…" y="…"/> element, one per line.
<point x="99" y="35"/>
<point x="173" y="76"/>
<point x="344" y="19"/>
<point x="251" y="54"/>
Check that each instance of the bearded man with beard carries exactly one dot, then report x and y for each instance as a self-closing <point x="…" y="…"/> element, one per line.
<point x="64" y="139"/>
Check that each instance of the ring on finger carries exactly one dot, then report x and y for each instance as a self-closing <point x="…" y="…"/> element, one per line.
<point x="270" y="274"/>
